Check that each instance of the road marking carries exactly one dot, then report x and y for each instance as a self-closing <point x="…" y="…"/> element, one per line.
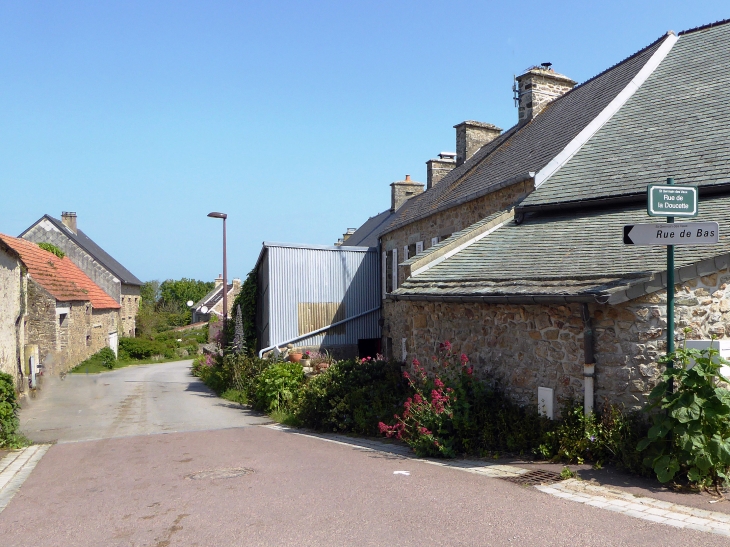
<point x="588" y="493"/>
<point x="406" y="473"/>
<point x="15" y="468"/>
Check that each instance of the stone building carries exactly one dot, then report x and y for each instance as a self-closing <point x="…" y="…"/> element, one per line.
<point x="212" y="303"/>
<point x="523" y="264"/>
<point x="13" y="306"/>
<point x="95" y="262"/>
<point x="67" y="316"/>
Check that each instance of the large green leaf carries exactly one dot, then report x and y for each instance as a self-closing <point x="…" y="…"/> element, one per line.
<point x="665" y="468"/>
<point x="720" y="449"/>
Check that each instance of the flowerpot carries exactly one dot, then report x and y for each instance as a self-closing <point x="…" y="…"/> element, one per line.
<point x="305" y="362"/>
<point x="295" y="357"/>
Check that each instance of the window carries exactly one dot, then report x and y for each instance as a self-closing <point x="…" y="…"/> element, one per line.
<point x="406" y="256"/>
<point x="62" y="320"/>
<point x="419" y="247"/>
<point x="434" y="241"/>
<point x="395" y="269"/>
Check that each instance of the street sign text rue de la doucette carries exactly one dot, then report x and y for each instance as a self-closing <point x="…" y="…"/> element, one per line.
<point x="665" y="200"/>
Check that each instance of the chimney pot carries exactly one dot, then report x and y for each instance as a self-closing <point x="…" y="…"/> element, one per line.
<point x="69" y="220"/>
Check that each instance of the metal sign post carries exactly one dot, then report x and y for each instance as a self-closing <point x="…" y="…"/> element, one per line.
<point x="672" y="200"/>
<point x="670" y="289"/>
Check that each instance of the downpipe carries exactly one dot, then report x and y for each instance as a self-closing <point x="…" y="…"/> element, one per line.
<point x="589" y="361"/>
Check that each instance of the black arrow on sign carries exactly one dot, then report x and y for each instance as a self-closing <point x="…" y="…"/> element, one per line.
<point x="627" y="239"/>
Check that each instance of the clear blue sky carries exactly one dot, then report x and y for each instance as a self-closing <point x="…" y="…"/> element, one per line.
<point x="292" y="117"/>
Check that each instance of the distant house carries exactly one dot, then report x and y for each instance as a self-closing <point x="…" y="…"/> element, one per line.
<point x="116" y="280"/>
<point x="212" y="303"/>
<point x="62" y="311"/>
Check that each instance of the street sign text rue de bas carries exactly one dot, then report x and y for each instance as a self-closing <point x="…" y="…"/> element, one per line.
<point x="677" y="233"/>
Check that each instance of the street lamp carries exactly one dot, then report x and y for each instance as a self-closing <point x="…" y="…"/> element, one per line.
<point x="225" y="273"/>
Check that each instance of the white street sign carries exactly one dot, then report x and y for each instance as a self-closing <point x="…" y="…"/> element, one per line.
<point x="677" y="233"/>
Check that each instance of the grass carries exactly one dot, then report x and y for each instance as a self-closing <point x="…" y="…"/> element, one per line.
<point x="235" y="396"/>
<point x="284" y="417"/>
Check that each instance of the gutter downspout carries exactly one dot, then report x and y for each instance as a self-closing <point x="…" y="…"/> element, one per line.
<point x="589" y="360"/>
<point x="303" y="336"/>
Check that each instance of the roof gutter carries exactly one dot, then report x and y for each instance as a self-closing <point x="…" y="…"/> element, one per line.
<point x="600" y="298"/>
<point x="707" y="190"/>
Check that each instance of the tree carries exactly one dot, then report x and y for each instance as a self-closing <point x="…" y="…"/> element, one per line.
<point x="183" y="290"/>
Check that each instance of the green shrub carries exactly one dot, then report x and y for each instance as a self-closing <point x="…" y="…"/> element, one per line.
<point x="606" y="436"/>
<point x="51" y="248"/>
<point x="451" y="412"/>
<point x="352" y="396"/>
<point x="104" y="358"/>
<point x="9" y="423"/>
<point x="277" y="387"/>
<point x="140" y="348"/>
<point x="691" y="431"/>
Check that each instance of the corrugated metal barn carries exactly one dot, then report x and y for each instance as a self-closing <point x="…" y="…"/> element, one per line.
<point x="319" y="296"/>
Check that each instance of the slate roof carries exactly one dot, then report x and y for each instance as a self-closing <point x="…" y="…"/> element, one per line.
<point x="526" y="148"/>
<point x="367" y="235"/>
<point x="212" y="298"/>
<point x="676" y="124"/>
<point x="104" y="258"/>
<point x="577" y="253"/>
<point x="59" y="276"/>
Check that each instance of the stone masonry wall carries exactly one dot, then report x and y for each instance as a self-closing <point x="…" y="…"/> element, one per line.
<point x="452" y="220"/>
<point x="45" y="232"/>
<point x="11" y="306"/>
<point x="128" y="312"/>
<point x="64" y="344"/>
<point x="540" y="345"/>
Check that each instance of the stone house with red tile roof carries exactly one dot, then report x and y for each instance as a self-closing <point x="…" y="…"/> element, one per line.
<point x="67" y="316"/>
<point x="103" y="269"/>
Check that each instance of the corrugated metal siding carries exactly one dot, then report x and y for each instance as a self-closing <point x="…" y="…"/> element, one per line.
<point x="346" y="282"/>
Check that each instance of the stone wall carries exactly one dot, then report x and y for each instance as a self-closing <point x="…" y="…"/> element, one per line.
<point x="46" y="232"/>
<point x="540" y="345"/>
<point x="452" y="220"/>
<point x="129" y="308"/>
<point x="12" y="306"/>
<point x="66" y="332"/>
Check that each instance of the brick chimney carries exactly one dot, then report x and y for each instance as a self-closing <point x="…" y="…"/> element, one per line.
<point x="536" y="88"/>
<point x="219" y="281"/>
<point x="471" y="136"/>
<point x="348" y="233"/>
<point x="69" y="220"/>
<point x="437" y="169"/>
<point x="402" y="190"/>
<point x="236" y="284"/>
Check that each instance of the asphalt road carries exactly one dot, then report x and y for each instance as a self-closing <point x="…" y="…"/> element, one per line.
<point x="254" y="486"/>
<point x="137" y="400"/>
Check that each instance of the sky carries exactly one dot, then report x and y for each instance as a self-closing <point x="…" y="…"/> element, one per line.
<point x="292" y="117"/>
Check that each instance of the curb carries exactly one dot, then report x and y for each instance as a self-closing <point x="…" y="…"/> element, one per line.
<point x="610" y="499"/>
<point x="15" y="468"/>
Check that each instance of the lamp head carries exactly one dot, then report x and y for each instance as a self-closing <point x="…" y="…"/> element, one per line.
<point x="218" y="215"/>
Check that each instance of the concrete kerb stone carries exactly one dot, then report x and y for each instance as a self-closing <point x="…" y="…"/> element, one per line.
<point x="601" y="497"/>
<point x="16" y="468"/>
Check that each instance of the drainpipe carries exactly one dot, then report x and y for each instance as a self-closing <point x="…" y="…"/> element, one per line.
<point x="589" y="360"/>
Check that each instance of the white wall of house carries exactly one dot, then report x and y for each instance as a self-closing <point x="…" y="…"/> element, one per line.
<point x="11" y="296"/>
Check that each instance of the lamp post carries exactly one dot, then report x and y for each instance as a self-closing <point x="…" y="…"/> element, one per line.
<point x="225" y="273"/>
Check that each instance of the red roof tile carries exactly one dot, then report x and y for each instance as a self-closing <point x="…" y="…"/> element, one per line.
<point x="59" y="276"/>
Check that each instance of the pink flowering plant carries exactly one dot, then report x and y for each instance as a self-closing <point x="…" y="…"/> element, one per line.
<point x="432" y="416"/>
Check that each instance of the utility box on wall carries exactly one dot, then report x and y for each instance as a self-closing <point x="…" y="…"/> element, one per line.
<point x="723" y="346"/>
